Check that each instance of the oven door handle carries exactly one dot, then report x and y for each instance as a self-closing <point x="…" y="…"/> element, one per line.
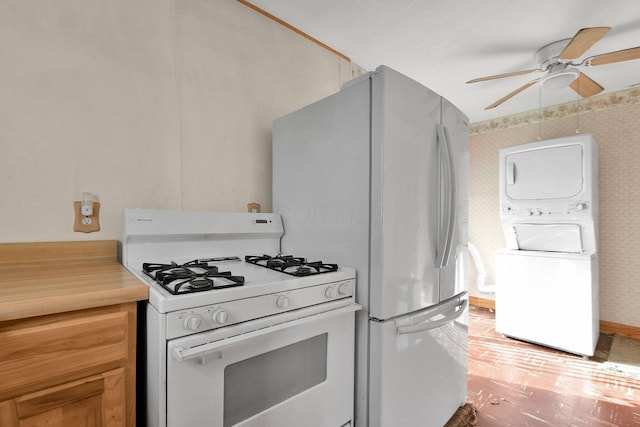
<point x="182" y="354"/>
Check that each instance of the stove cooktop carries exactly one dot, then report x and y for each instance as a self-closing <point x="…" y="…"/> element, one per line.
<point x="211" y="274"/>
<point x="165" y="240"/>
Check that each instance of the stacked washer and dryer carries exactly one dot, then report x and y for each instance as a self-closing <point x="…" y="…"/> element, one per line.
<point x="547" y="277"/>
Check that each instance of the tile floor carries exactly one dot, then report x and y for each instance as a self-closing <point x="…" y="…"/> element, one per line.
<point x="513" y="383"/>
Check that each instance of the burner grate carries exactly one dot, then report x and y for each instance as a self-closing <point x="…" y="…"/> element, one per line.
<point x="194" y="276"/>
<point x="294" y="266"/>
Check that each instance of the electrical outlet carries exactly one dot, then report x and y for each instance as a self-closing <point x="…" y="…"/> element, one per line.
<point x="86" y="223"/>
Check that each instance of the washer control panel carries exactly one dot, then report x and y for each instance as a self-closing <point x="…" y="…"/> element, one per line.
<point x="579" y="209"/>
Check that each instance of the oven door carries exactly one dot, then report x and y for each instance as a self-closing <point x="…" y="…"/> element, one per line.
<point x="294" y="372"/>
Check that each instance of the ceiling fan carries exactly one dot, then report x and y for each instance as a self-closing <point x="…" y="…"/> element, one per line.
<point x="556" y="60"/>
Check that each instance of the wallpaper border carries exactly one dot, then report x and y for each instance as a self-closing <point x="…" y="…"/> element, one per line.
<point x="595" y="103"/>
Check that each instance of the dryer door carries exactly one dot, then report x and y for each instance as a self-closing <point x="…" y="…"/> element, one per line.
<point x="545" y="173"/>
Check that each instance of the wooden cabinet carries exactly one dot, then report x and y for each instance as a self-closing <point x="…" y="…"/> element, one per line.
<point x="67" y="335"/>
<point x="93" y="401"/>
<point x="69" y="369"/>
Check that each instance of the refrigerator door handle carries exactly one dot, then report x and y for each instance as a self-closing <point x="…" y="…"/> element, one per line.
<point x="447" y="199"/>
<point x="451" y="310"/>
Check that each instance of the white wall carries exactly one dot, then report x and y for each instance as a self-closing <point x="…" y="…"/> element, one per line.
<point x="147" y="103"/>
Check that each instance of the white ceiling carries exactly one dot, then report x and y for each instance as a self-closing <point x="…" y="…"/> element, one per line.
<point x="444" y="43"/>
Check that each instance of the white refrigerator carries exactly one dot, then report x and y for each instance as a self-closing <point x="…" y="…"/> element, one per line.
<point x="375" y="177"/>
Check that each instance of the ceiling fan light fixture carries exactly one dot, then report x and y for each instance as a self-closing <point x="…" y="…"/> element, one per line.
<point x="559" y="80"/>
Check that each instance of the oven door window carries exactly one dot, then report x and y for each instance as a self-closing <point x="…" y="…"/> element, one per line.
<point x="263" y="381"/>
<point x="300" y="374"/>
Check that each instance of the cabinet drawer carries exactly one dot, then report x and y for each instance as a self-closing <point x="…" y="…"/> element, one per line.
<point x="35" y="353"/>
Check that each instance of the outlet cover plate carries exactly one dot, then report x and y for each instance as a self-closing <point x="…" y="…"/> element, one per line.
<point x="86" y="223"/>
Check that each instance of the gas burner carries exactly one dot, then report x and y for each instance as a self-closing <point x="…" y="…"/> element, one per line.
<point x="294" y="266"/>
<point x="277" y="263"/>
<point x="194" y="276"/>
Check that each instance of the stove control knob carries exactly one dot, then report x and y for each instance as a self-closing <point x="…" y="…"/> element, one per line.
<point x="331" y="292"/>
<point x="220" y="316"/>
<point x="192" y="322"/>
<point x="344" y="289"/>
<point x="283" y="301"/>
<point x="581" y="206"/>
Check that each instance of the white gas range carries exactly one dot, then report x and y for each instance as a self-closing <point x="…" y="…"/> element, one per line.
<point x="236" y="334"/>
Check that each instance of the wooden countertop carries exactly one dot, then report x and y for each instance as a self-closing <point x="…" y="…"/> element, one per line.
<point x="53" y="277"/>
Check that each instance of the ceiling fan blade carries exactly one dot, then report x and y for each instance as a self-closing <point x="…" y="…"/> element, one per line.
<point x="585" y="86"/>
<point x="512" y="94"/>
<point x="499" y="76"/>
<point x="617" y="56"/>
<point x="582" y="41"/>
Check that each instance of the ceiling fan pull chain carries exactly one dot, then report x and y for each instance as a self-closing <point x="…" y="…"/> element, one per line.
<point x="540" y="114"/>
<point x="578" y="107"/>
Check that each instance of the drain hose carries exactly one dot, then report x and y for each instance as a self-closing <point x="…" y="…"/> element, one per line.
<point x="482" y="274"/>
